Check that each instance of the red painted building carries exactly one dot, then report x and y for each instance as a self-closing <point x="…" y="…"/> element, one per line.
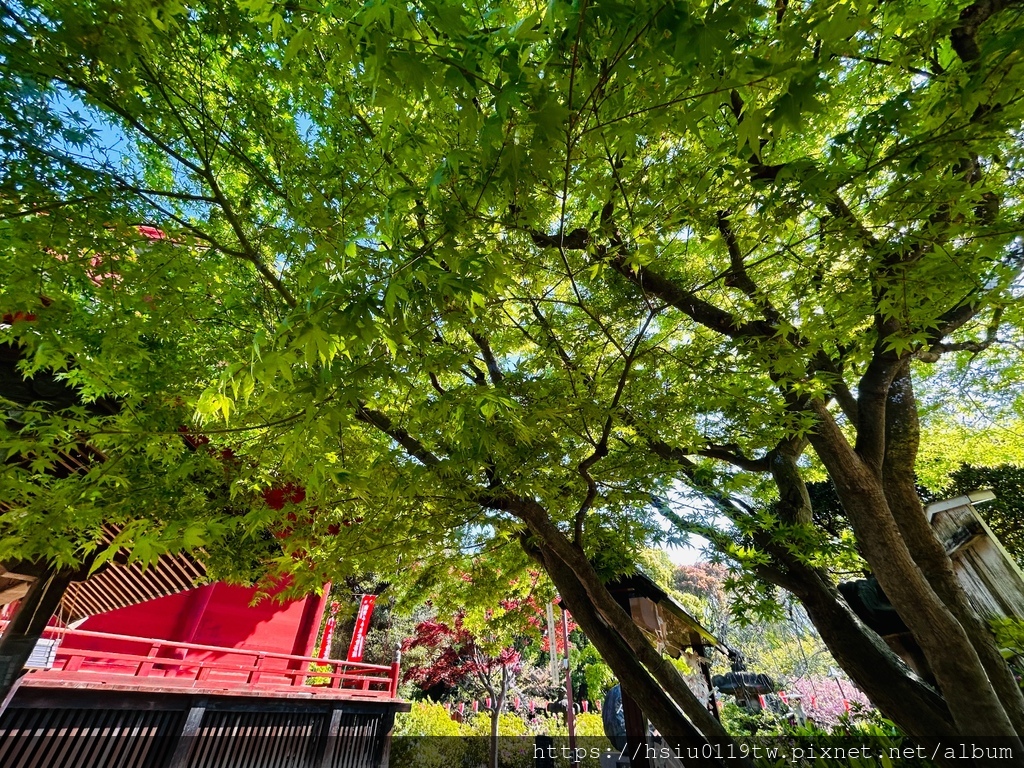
<point x="218" y="615"/>
<point x="200" y="679"/>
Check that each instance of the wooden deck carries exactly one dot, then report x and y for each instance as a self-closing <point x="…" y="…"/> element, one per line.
<point x="151" y="664"/>
<point x="119" y="701"/>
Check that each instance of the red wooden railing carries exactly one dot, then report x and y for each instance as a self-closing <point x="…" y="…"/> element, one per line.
<point x="171" y="664"/>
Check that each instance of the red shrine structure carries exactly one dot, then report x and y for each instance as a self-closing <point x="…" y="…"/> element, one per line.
<point x="199" y="678"/>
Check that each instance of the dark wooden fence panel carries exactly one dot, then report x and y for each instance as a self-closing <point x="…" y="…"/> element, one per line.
<point x="87" y="738"/>
<point x="257" y="740"/>
<point x="360" y="741"/>
<point x="90" y="729"/>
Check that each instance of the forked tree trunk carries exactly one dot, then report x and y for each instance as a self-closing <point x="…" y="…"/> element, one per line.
<point x="972" y="700"/>
<point x="893" y="687"/>
<point x="903" y="435"/>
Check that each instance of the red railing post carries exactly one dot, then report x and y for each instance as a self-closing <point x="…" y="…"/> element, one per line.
<point x="146" y="667"/>
<point x="395" y="670"/>
<point x="257" y="667"/>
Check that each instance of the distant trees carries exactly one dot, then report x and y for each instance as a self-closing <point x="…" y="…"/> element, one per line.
<point x="487" y="662"/>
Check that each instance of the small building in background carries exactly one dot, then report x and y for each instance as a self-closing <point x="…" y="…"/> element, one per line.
<point x="991" y="579"/>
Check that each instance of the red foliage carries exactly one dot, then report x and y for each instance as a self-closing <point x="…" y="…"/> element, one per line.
<point x="278" y="496"/>
<point x="459" y="657"/>
<point x="702" y="579"/>
<point x="19" y="317"/>
<point x="152" y="233"/>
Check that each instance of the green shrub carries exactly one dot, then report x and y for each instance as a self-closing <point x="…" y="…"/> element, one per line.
<point x="1009" y="634"/>
<point x="467" y="744"/>
<point x="417" y="744"/>
<point x="427" y="719"/>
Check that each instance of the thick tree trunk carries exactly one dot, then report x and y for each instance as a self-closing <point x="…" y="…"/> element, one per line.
<point x="890" y="685"/>
<point x="888" y="682"/>
<point x="559" y="552"/>
<point x="658" y="706"/>
<point x="972" y="700"/>
<point x="899" y="483"/>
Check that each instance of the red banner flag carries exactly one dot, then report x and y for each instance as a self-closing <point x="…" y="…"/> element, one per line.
<point x="328" y="636"/>
<point x="355" y="650"/>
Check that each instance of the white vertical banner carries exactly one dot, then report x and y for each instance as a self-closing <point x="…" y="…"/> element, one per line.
<point x="552" y="643"/>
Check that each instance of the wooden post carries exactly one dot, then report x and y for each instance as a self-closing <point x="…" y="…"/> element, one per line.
<point x="257" y="668"/>
<point x="636" y="720"/>
<point x="387" y="726"/>
<point x="636" y="731"/>
<point x="705" y="667"/>
<point x="27" y="626"/>
<point x="570" y="715"/>
<point x="396" y="667"/>
<point x="145" y="667"/>
<point x="330" y="739"/>
<point x="183" y="749"/>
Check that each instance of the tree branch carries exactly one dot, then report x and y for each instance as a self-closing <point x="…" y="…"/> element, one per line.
<point x="737" y="276"/>
<point x="653" y="283"/>
<point x="971" y="19"/>
<point x="570" y="365"/>
<point x="721" y="540"/>
<point x="935" y="351"/>
<point x="492" y="364"/>
<point x="412" y="446"/>
<point x="601" y="449"/>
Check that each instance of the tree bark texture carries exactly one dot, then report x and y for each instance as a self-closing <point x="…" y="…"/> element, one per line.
<point x="899" y="483"/>
<point x="560" y="553"/>
<point x="892" y="686"/>
<point x="901" y="695"/>
<point x="631" y="673"/>
<point x="972" y="700"/>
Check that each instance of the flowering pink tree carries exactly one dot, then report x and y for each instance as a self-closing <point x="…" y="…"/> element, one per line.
<point x="823" y="699"/>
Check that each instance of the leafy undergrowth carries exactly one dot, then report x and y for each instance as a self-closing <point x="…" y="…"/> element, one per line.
<point x="428" y="737"/>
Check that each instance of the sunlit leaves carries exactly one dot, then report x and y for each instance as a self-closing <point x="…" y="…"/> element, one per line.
<point x="350" y="195"/>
